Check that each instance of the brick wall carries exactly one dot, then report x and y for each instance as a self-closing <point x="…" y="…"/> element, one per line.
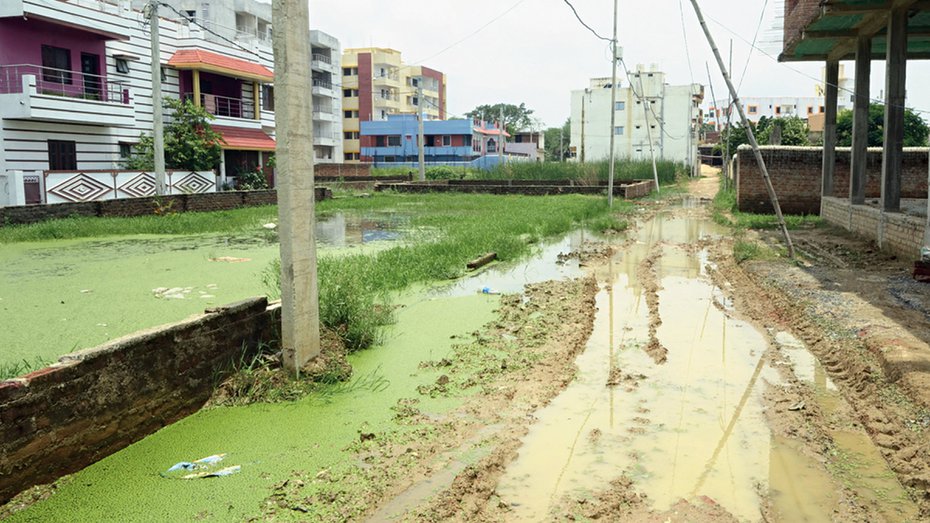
<point x="337" y="170"/>
<point x="899" y="233"/>
<point x="62" y="418"/>
<point x="798" y="15"/>
<point x="220" y="201"/>
<point x="797" y="174"/>
<point x="526" y="188"/>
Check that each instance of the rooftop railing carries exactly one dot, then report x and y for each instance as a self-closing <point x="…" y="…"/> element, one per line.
<point x="225" y="105"/>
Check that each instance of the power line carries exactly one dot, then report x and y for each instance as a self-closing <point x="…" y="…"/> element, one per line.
<point x="684" y="34"/>
<point x="473" y="33"/>
<point x="582" y="22"/>
<point x="211" y="31"/>
<point x="802" y="73"/>
<point x="754" y="39"/>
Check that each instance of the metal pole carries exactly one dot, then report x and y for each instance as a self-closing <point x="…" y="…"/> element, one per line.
<point x="613" y="111"/>
<point x="422" y="149"/>
<point x="561" y="142"/>
<point x="300" y="311"/>
<point x="500" y="139"/>
<point x="652" y="150"/>
<point x="583" y="101"/>
<point x="749" y="134"/>
<point x="158" y="122"/>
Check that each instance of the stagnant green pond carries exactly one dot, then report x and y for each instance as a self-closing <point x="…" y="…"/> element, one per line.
<point x="268" y="441"/>
<point x="60" y="296"/>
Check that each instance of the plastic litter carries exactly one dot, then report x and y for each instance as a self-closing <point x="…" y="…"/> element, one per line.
<point x="202" y="468"/>
<point x="488" y="290"/>
<point x="924" y="254"/>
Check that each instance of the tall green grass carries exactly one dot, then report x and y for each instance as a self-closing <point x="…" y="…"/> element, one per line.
<point x="592" y="172"/>
<point x="248" y="218"/>
<point x="460" y="227"/>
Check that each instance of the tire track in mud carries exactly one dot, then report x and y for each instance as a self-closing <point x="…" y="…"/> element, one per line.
<point x="649" y="279"/>
<point x="877" y="403"/>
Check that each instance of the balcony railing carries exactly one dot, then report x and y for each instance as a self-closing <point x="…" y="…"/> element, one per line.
<point x="321" y="58"/>
<point x="323" y="84"/>
<point x="62" y="82"/>
<point x="225" y="105"/>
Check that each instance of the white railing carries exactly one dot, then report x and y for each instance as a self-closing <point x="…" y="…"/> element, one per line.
<point x="86" y="186"/>
<point x="62" y="82"/>
<point x="323" y="84"/>
<point x="321" y="58"/>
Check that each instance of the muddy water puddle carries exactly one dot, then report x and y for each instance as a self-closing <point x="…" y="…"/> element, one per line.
<point x="682" y="416"/>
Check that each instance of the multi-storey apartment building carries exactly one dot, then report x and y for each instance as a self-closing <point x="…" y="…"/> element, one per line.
<point x="76" y="88"/>
<point x="248" y="23"/>
<point x="376" y="83"/>
<point x="671" y="115"/>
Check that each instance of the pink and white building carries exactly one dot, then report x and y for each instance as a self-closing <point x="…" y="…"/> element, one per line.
<point x="76" y="94"/>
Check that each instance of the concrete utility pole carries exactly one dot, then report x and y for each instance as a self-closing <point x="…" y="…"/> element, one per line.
<point x="300" y="311"/>
<point x="613" y="111"/>
<point x="500" y="140"/>
<point x="421" y="153"/>
<point x="561" y="144"/>
<point x="583" y="97"/>
<point x="652" y="149"/>
<point x="749" y="134"/>
<point x="158" y="121"/>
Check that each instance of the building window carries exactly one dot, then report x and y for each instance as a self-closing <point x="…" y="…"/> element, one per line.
<point x="393" y="141"/>
<point x="267" y="98"/>
<point x="620" y="106"/>
<point x="350" y="71"/>
<point x="822" y="109"/>
<point x="125" y="150"/>
<point x="350" y="135"/>
<point x="57" y="62"/>
<point x="351" y="156"/>
<point x="350" y="114"/>
<point x="810" y="109"/>
<point x="62" y="155"/>
<point x="350" y="93"/>
<point x="777" y="109"/>
<point x="414" y="101"/>
<point x="446" y="141"/>
<point x="753" y="109"/>
<point x="618" y="130"/>
<point x="122" y="65"/>
<point x="191" y="16"/>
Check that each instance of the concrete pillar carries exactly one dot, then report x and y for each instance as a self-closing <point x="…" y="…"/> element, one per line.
<point x="829" y="127"/>
<point x="300" y="312"/>
<point x="860" y="140"/>
<point x="196" y="76"/>
<point x="896" y="75"/>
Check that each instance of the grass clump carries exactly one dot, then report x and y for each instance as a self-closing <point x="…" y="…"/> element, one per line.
<point x="16" y="369"/>
<point x="185" y="223"/>
<point x="454" y="228"/>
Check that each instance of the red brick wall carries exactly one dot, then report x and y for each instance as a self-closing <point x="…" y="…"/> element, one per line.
<point x="798" y="15"/>
<point x="341" y="169"/>
<point x="796" y="174"/>
<point x="62" y="418"/>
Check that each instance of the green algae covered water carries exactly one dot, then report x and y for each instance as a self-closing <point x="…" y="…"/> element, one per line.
<point x="268" y="441"/>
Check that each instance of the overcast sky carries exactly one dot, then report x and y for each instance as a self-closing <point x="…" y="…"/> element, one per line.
<point x="534" y="51"/>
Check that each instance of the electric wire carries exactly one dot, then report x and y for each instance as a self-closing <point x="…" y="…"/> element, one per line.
<point x="582" y="22"/>
<point x="473" y="33"/>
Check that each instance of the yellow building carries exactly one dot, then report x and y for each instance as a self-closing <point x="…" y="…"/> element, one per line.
<point x="376" y="83"/>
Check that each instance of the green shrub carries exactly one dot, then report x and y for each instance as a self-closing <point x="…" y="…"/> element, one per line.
<point x="442" y="172"/>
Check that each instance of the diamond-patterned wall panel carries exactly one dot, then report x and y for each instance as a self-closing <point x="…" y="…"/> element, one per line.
<point x="80" y="188"/>
<point x="139" y="186"/>
<point x="193" y="183"/>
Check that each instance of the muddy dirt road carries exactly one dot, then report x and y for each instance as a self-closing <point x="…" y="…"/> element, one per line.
<point x="668" y="384"/>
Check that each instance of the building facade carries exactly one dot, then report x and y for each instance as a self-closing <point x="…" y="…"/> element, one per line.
<point x="671" y="115"/>
<point x="395" y="141"/>
<point x="76" y="88"/>
<point x="376" y="84"/>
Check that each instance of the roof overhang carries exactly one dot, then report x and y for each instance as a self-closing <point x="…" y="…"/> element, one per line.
<point x="240" y="139"/>
<point x="200" y="60"/>
<point x="831" y="31"/>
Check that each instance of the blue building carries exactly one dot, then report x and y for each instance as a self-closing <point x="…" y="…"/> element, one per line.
<point x="448" y="142"/>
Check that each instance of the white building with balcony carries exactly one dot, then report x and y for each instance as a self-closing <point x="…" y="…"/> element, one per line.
<point x="76" y="91"/>
<point x="671" y="114"/>
<point x="326" y="68"/>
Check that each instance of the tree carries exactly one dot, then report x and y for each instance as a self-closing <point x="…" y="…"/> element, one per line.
<point x="553" y="149"/>
<point x="794" y="131"/>
<point x="516" y="117"/>
<point x="916" y="130"/>
<point x="191" y="144"/>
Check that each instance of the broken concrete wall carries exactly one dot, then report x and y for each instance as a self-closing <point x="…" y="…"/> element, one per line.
<point x="92" y="403"/>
